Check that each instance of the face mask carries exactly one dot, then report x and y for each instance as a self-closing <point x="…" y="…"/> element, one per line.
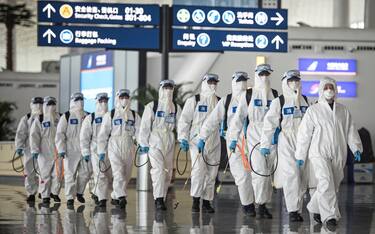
<point x="79" y="104"/>
<point x="329" y="94"/>
<point x="102" y="107"/>
<point x="36" y="108"/>
<point x="168" y="93"/>
<point x="124" y="102"/>
<point x="212" y="87"/>
<point x="294" y="85"/>
<point x="49" y="109"/>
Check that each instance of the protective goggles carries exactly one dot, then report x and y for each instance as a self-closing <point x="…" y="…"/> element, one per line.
<point x="102" y="97"/>
<point x="50" y="101"/>
<point x="123" y="93"/>
<point x="211" y="77"/>
<point x="240" y="76"/>
<point x="37" y="100"/>
<point x="263" y="68"/>
<point x="77" y="97"/>
<point x="167" y="83"/>
<point x="292" y="74"/>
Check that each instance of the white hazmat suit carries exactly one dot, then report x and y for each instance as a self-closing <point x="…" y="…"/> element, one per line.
<point x="77" y="172"/>
<point x="42" y="142"/>
<point x="157" y="133"/>
<point x="323" y="136"/>
<point x="254" y="111"/>
<point x="89" y="141"/>
<point x="292" y="180"/>
<point x="193" y="115"/>
<point x="119" y="130"/>
<point x="242" y="177"/>
<point x="22" y="144"/>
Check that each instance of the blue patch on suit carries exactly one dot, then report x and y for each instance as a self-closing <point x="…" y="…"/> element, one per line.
<point x="257" y="102"/>
<point x="73" y="121"/>
<point x="99" y="120"/>
<point x="202" y="108"/>
<point x="47" y="124"/>
<point x="160" y="114"/>
<point x="234" y="109"/>
<point x="117" y="121"/>
<point x="288" y="110"/>
<point x="304" y="109"/>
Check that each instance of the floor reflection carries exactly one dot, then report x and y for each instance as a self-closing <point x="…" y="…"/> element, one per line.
<point x="16" y="216"/>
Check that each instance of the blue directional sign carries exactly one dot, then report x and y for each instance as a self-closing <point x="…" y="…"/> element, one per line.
<point x="220" y="40"/>
<point x="316" y="66"/>
<point x="230" y="17"/>
<point x="98" y="13"/>
<point x="100" y="37"/>
<point x="345" y="89"/>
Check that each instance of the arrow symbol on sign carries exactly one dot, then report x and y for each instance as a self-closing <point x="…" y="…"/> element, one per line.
<point x="49" y="34"/>
<point x="279" y="18"/>
<point x="49" y="8"/>
<point x="277" y="40"/>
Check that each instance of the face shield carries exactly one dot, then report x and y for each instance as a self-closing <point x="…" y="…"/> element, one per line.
<point x="49" y="105"/>
<point x="36" y="105"/>
<point x="123" y="96"/>
<point x="101" y="102"/>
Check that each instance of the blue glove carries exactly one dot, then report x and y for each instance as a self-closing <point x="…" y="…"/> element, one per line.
<point x="265" y="152"/>
<point x="357" y="156"/>
<point x="19" y="152"/>
<point x="232" y="146"/>
<point x="86" y="158"/>
<point x="222" y="132"/>
<point x="300" y="163"/>
<point x="62" y="154"/>
<point x="35" y="155"/>
<point x="200" y="145"/>
<point x="184" y="145"/>
<point x="275" y="138"/>
<point x="144" y="149"/>
<point x="101" y="157"/>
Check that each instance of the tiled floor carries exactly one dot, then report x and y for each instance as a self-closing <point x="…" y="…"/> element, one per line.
<point x="356" y="204"/>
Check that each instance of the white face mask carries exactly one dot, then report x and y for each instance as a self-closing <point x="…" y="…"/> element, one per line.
<point x="48" y="110"/>
<point x="36" y="108"/>
<point x="212" y="87"/>
<point x="294" y="85"/>
<point x="102" y="107"/>
<point x="168" y="94"/>
<point x="124" y="102"/>
<point x="329" y="94"/>
<point x="79" y="105"/>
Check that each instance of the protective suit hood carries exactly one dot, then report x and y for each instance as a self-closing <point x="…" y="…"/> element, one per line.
<point x="323" y="82"/>
<point x="239" y="86"/>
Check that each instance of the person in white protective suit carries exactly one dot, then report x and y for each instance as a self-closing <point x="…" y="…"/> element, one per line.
<point x="283" y="118"/>
<point x="22" y="145"/>
<point x="77" y="172"/>
<point x="156" y="137"/>
<point x="193" y="115"/>
<point x="42" y="146"/>
<point x="253" y="106"/>
<point x="89" y="140"/>
<point x="220" y="118"/>
<point x="323" y="135"/>
<point x="117" y="134"/>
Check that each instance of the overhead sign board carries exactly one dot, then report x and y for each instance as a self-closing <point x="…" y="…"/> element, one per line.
<point x="345" y="89"/>
<point x="98" y="13"/>
<point x="220" y="40"/>
<point x="230" y="17"/>
<point x="99" y="37"/>
<point x="317" y="66"/>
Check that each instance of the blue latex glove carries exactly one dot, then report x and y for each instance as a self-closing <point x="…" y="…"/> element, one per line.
<point x="19" y="152"/>
<point x="232" y="146"/>
<point x="300" y="163"/>
<point x="62" y="154"/>
<point x="265" y="152"/>
<point x="144" y="149"/>
<point x="275" y="138"/>
<point x="222" y="132"/>
<point x="101" y="157"/>
<point x="35" y="155"/>
<point x="86" y="158"/>
<point x="200" y="145"/>
<point x="357" y="156"/>
<point x="184" y="145"/>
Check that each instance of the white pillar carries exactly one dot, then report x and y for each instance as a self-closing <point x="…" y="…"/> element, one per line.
<point x="341" y="13"/>
<point x="370" y="14"/>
